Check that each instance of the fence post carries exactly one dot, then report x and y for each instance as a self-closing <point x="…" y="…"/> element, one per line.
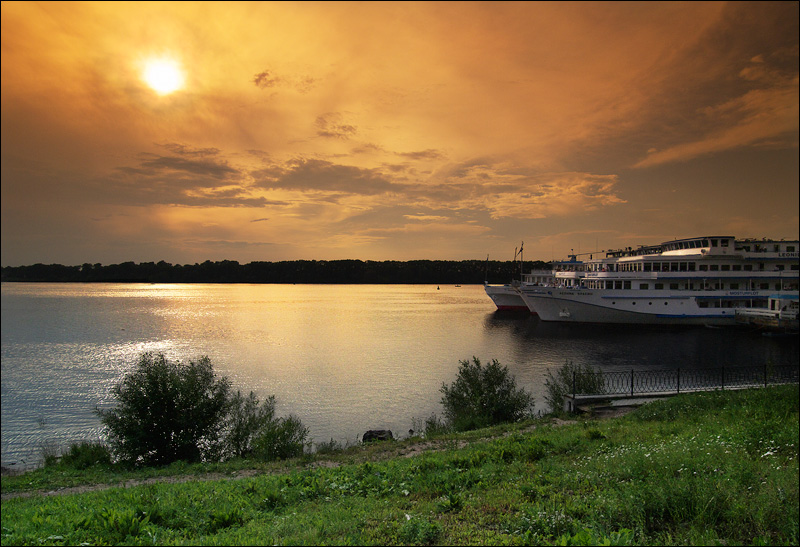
<point x="573" y="385"/>
<point x="679" y="379"/>
<point x="631" y="382"/>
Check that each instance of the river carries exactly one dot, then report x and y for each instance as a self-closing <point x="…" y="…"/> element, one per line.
<point x="342" y="358"/>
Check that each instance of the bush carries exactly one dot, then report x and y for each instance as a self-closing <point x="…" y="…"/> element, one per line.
<point x="280" y="439"/>
<point x="254" y="431"/>
<point x="85" y="455"/>
<point x="167" y="411"/>
<point x="578" y="378"/>
<point x="246" y="419"/>
<point x="484" y="395"/>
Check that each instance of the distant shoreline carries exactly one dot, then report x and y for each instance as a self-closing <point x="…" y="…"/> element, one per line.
<point x="335" y="272"/>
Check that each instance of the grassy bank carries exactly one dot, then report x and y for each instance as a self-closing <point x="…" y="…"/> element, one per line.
<point x="699" y="469"/>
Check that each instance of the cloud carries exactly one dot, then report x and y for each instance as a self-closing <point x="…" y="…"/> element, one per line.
<point x="266" y="80"/>
<point x="331" y="125"/>
<point x="767" y="116"/>
<point x="321" y="175"/>
<point x="429" y="154"/>
<point x="200" y="170"/>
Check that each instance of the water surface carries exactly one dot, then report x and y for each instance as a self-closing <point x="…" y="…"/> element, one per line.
<point x="343" y="358"/>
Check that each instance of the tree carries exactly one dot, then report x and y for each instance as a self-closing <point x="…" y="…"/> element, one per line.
<point x="167" y="411"/>
<point x="484" y="395"/>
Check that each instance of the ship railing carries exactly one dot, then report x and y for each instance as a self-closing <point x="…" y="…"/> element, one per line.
<point x="632" y="383"/>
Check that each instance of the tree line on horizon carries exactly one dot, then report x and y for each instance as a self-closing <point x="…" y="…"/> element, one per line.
<point x="294" y="271"/>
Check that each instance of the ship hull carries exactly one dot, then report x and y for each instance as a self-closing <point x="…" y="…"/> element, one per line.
<point x="580" y="306"/>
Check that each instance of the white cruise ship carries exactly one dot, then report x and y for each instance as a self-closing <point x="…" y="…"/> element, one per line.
<point x="699" y="281"/>
<point x="507" y="297"/>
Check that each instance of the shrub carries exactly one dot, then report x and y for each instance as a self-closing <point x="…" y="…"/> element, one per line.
<point x="280" y="439"/>
<point x="167" y="411"/>
<point x="484" y="395"/>
<point x="246" y="419"/>
<point x="85" y="455"/>
<point x="578" y="378"/>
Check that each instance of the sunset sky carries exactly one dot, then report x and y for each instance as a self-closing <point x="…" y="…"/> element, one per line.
<point x="392" y="131"/>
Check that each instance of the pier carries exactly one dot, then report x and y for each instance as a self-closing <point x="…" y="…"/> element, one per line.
<point x="636" y="387"/>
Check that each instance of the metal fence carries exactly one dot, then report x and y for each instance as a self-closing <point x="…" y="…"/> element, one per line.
<point x="638" y="382"/>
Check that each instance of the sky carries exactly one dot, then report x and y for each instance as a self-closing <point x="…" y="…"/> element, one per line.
<point x="194" y="131"/>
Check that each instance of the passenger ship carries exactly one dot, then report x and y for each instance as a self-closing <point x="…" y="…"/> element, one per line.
<point x="699" y="281"/>
<point x="507" y="297"/>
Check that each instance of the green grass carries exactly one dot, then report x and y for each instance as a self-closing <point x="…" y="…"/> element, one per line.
<point x="695" y="469"/>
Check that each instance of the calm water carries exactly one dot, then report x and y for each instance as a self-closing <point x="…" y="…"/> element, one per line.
<point x="343" y="359"/>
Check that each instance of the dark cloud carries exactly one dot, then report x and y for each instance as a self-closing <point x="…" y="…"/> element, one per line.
<point x="266" y="80"/>
<point x="312" y="174"/>
<point x="429" y="154"/>
<point x="152" y="165"/>
<point x="330" y="125"/>
<point x="184" y="150"/>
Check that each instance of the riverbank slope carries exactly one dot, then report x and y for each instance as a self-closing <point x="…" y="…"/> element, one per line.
<point x="717" y="467"/>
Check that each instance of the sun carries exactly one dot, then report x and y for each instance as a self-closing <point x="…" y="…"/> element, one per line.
<point x="164" y="76"/>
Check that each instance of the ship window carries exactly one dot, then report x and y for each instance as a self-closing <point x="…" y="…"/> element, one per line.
<point x="673" y="286"/>
<point x="713" y="242"/>
<point x="673" y="267"/>
<point x="748" y="267"/>
<point x="627" y="285"/>
<point x="703" y="267"/>
<point x="790" y="248"/>
<point x="692" y="266"/>
<point x="724" y="242"/>
<point x="714" y="267"/>
<point x="647" y="267"/>
<point x="705" y="243"/>
<point x="737" y="267"/>
<point x="734" y="286"/>
<point x="764" y="286"/>
<point x="726" y="267"/>
<point x="684" y="267"/>
<point x="644" y="286"/>
<point x="659" y="286"/>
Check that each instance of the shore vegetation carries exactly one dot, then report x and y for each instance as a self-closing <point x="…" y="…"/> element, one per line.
<point x="712" y="468"/>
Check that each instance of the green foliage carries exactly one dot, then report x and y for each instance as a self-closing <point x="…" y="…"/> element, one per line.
<point x="280" y="439"/>
<point x="484" y="395"/>
<point x="171" y="412"/>
<point x="167" y="411"/>
<point x="434" y="426"/>
<point x="416" y="531"/>
<point x="329" y="447"/>
<point x="569" y="378"/>
<point x="588" y="536"/>
<point x="247" y="418"/>
<point x="707" y="478"/>
<point x="85" y="455"/>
